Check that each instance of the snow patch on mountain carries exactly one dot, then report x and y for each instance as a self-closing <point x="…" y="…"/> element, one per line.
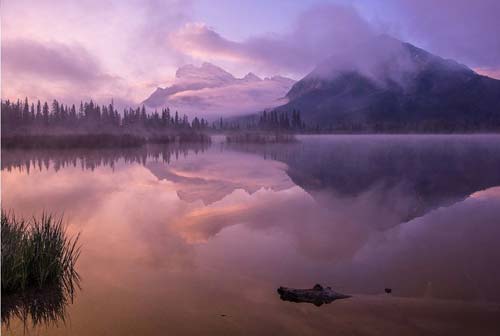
<point x="209" y="91"/>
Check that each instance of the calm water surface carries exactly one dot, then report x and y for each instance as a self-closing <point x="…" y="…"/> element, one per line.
<point x="194" y="240"/>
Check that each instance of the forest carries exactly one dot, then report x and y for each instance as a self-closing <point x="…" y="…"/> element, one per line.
<point x="25" y="117"/>
<point x="36" y="125"/>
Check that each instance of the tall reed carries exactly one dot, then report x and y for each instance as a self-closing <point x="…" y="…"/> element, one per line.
<point x="37" y="254"/>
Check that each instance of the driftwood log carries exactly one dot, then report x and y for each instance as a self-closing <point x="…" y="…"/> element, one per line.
<point x="317" y="295"/>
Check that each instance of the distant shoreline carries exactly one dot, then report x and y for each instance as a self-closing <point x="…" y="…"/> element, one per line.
<point x="96" y="140"/>
<point x="128" y="140"/>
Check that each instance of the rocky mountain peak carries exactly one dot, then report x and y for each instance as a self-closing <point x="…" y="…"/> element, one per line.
<point x="251" y="77"/>
<point x="205" y="72"/>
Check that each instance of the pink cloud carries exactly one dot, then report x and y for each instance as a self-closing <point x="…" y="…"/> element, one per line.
<point x="200" y="41"/>
<point x="490" y="72"/>
<point x="60" y="71"/>
<point x="85" y="44"/>
<point x="316" y="34"/>
<point x="54" y="61"/>
<point x="457" y="29"/>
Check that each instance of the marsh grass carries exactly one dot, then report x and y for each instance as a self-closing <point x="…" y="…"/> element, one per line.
<point x="38" y="267"/>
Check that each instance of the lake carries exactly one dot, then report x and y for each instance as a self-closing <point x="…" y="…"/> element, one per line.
<point x="195" y="239"/>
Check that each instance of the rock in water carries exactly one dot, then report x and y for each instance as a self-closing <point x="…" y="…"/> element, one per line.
<point x="317" y="295"/>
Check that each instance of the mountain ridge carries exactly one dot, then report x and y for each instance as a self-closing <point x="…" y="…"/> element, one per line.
<point x="395" y="86"/>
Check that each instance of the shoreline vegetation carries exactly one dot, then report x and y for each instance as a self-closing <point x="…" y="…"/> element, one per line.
<point x="26" y="125"/>
<point x="260" y="137"/>
<point x="97" y="140"/>
<point x="38" y="260"/>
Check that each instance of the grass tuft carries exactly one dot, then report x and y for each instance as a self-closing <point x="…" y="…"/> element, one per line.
<point x="37" y="254"/>
<point x="38" y="269"/>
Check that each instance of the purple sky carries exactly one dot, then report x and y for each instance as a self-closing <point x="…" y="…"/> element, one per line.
<point x="126" y="48"/>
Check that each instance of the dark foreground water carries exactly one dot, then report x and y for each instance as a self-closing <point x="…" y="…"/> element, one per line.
<point x="194" y="240"/>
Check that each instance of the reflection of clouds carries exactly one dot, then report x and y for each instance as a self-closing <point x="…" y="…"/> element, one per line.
<point x="126" y="210"/>
<point x="451" y="252"/>
<point x="322" y="233"/>
<point x="239" y="207"/>
<point x="141" y="224"/>
<point x="130" y="210"/>
<point x="50" y="190"/>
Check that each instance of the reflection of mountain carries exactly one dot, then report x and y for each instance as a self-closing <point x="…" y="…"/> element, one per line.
<point x="209" y="179"/>
<point x="192" y="189"/>
<point x="209" y="91"/>
<point x="219" y="176"/>
<point x="409" y="174"/>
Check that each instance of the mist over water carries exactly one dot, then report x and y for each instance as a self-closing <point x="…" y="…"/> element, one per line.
<point x="171" y="235"/>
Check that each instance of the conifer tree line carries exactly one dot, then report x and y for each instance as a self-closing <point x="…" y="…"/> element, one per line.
<point x="90" y="116"/>
<point x="275" y="120"/>
<point x="266" y="121"/>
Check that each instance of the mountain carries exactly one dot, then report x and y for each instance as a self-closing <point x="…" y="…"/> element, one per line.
<point x="210" y="91"/>
<point x="251" y="77"/>
<point x="206" y="73"/>
<point x="386" y="84"/>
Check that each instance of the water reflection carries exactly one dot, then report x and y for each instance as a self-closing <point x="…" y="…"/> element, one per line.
<point x="37" y="307"/>
<point x="409" y="175"/>
<point x="170" y="242"/>
<point x="91" y="159"/>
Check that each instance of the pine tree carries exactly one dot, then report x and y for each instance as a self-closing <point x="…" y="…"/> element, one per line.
<point x="26" y="111"/>
<point x="45" y="114"/>
<point x="38" y="116"/>
<point x="32" y="112"/>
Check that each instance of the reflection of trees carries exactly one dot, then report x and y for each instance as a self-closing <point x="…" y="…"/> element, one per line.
<point x="28" y="160"/>
<point x="46" y="306"/>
